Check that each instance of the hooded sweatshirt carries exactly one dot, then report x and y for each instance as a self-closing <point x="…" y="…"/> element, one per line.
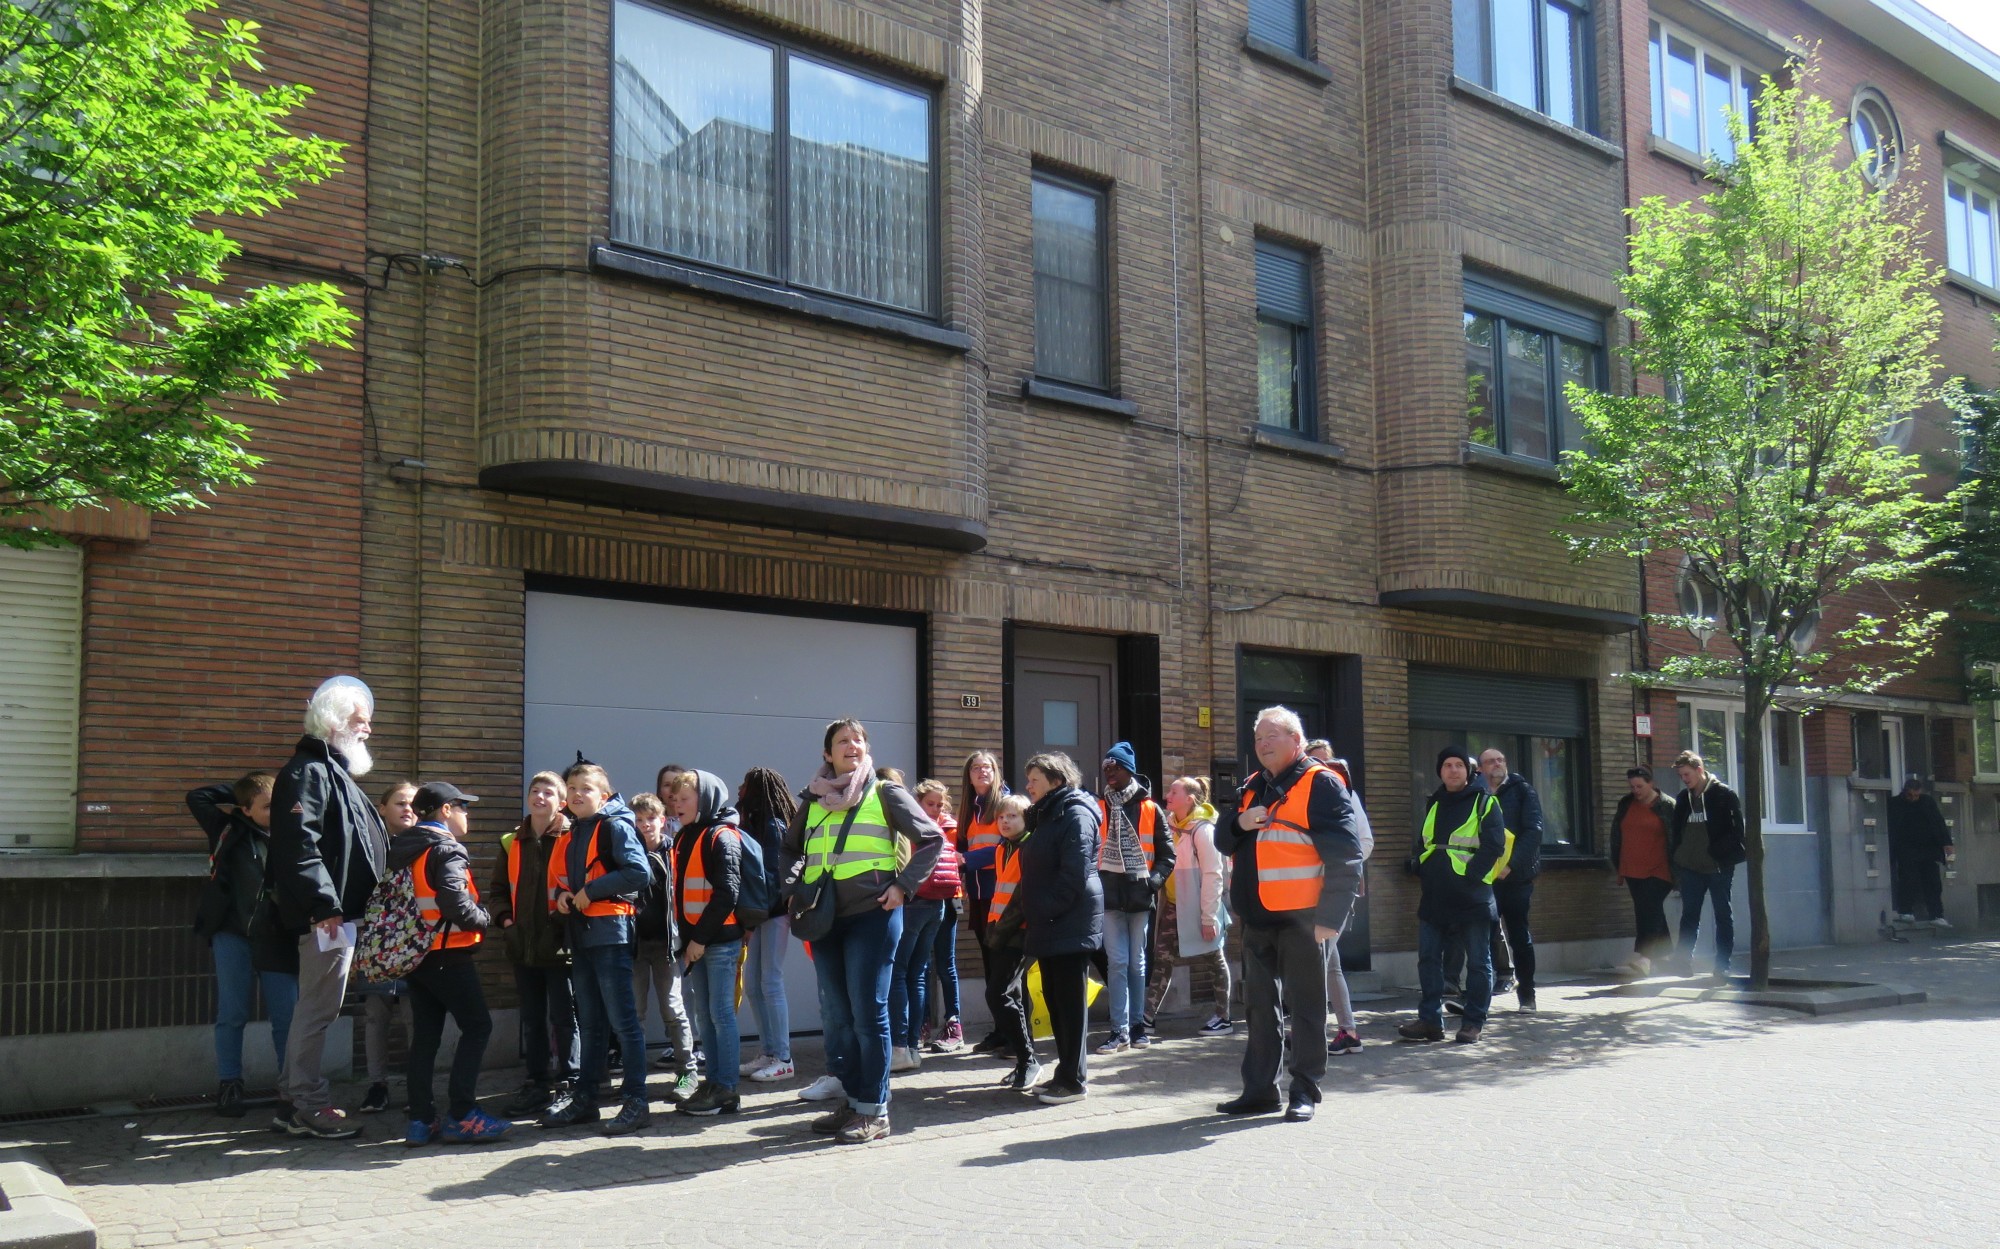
<point x="714" y="835"/>
<point x="1449" y="898"/>
<point x="449" y="871"/>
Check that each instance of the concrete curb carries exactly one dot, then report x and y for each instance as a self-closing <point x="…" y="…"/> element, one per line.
<point x="1807" y="998"/>
<point x="36" y="1211"/>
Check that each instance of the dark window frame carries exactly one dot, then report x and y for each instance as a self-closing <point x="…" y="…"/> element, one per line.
<point x="1585" y="14"/>
<point x="1305" y="342"/>
<point x="1304" y="46"/>
<point x="1556" y="325"/>
<point x="782" y="50"/>
<point x="1101" y="193"/>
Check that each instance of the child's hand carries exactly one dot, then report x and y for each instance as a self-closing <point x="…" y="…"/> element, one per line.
<point x="562" y="904"/>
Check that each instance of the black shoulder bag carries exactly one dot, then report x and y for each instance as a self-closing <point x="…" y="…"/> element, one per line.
<point x="815" y="903"/>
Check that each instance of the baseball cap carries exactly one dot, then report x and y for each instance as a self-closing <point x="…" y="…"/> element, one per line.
<point x="432" y="795"/>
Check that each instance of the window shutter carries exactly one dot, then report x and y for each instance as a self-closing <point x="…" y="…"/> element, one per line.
<point x="1284" y="284"/>
<point x="1484" y="296"/>
<point x="41" y="645"/>
<point x="1281" y="22"/>
<point x="1450" y="699"/>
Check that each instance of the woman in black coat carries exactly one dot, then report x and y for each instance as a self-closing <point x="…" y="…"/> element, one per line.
<point x="1062" y="904"/>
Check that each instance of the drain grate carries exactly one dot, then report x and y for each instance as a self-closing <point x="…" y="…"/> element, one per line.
<point x="44" y="1116"/>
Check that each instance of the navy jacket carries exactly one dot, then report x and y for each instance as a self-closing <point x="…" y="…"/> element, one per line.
<point x="1521" y="807"/>
<point x="1330" y="809"/>
<point x="1061" y="896"/>
<point x="1448" y="898"/>
<point x="626" y="874"/>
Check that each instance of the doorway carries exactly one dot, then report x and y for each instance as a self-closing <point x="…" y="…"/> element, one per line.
<point x="1064" y="698"/>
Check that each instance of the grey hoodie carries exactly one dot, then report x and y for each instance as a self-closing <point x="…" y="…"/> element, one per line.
<point x="721" y="864"/>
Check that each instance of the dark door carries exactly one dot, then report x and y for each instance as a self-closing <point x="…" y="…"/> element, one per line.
<point x="1064" y="698"/>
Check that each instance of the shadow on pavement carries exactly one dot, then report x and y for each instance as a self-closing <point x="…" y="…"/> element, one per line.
<point x="1139" y="1141"/>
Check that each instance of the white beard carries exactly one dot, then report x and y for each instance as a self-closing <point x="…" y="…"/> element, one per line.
<point x="355" y="750"/>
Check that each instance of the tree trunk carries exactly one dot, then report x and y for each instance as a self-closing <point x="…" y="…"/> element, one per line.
<point x="1756" y="708"/>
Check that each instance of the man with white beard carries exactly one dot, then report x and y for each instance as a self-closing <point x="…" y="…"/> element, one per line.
<point x="328" y="848"/>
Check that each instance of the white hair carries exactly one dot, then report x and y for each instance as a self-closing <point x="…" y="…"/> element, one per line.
<point x="1283" y="717"/>
<point x="334" y="703"/>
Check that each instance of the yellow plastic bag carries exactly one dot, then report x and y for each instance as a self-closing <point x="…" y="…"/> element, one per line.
<point x="1038" y="1011"/>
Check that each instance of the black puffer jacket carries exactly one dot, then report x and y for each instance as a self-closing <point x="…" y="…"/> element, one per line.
<point x="449" y="871"/>
<point x="236" y="853"/>
<point x="327" y="840"/>
<point x="1062" y="898"/>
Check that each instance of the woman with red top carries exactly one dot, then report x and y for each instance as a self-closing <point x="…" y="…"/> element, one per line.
<point x="978" y="841"/>
<point x="922" y="916"/>
<point x="1639" y="831"/>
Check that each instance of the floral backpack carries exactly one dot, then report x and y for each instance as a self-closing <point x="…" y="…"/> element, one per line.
<point x="392" y="937"/>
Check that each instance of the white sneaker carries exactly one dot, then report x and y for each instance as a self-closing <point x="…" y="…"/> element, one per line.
<point x="751" y="1067"/>
<point x="773" y="1071"/>
<point x="903" y="1058"/>
<point x="1903" y="917"/>
<point x="1940" y="922"/>
<point x="827" y="1088"/>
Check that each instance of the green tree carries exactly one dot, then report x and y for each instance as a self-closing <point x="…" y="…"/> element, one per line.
<point x="1783" y="324"/>
<point x="127" y="131"/>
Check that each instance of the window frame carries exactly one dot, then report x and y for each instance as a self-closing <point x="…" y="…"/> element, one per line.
<point x="783" y="49"/>
<point x="1305" y="343"/>
<point x="1986" y="712"/>
<point x="1101" y="194"/>
<point x="1743" y="84"/>
<point x="1305" y="46"/>
<point x="1688" y="707"/>
<point x="1973" y="188"/>
<point x="1585" y="14"/>
<point x="1556" y="325"/>
<point x="1891" y="160"/>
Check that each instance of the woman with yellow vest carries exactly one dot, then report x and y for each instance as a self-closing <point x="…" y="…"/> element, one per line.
<point x="979" y="847"/>
<point x="1459" y="851"/>
<point x="1134" y="861"/>
<point x="446" y="982"/>
<point x="847" y="828"/>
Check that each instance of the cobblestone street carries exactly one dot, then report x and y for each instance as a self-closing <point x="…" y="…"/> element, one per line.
<point x="1607" y="1119"/>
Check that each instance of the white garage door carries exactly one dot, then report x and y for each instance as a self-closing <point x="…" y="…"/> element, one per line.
<point x="41" y="647"/>
<point x="637" y="685"/>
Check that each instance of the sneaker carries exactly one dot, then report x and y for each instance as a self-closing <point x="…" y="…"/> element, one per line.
<point x="902" y="1058"/>
<point x="1418" y="1030"/>
<point x="832" y="1121"/>
<point x="1142" y="1040"/>
<point x="924" y="1036"/>
<point x="863" y="1128"/>
<point x="1467" y="1035"/>
<point x="1905" y="917"/>
<point x="668" y="1058"/>
<point x="532" y="1098"/>
<point x="775" y="1070"/>
<point x="685" y="1085"/>
<point x="1454" y="1008"/>
<point x="1300" y="1108"/>
<point x="377" y="1099"/>
<point x="229" y="1099"/>
<point x="1022" y="1078"/>
<point x="825" y="1089"/>
<point x="1061" y="1094"/>
<point x="993" y="1044"/>
<point x="281" y="1119"/>
<point x="1248" y="1105"/>
<point x="1524" y="999"/>
<point x="761" y="1061"/>
<point x="1217" y="1026"/>
<point x="420" y="1133"/>
<point x="569" y="1110"/>
<point x="1116" y="1043"/>
<point x="712" y="1099"/>
<point x="1504" y="985"/>
<point x="632" y="1115"/>
<point x="477" y="1128"/>
<point x="327" y="1123"/>
<point x="950" y="1039"/>
<point x="1344" y="1042"/>
<point x="1940" y="922"/>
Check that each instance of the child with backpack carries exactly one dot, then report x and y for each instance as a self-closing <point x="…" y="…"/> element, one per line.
<point x="713" y="864"/>
<point x="656" y="970"/>
<point x="445" y="982"/>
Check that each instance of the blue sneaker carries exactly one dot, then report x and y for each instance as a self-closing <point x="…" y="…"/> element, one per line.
<point x="476" y="1128"/>
<point x="420" y="1133"/>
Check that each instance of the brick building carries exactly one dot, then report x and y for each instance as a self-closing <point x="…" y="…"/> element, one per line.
<point x="1018" y="377"/>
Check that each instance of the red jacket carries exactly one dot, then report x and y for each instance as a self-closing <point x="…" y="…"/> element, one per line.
<point x="944" y="882"/>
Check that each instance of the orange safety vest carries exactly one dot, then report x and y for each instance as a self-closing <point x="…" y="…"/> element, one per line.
<point x="593" y="868"/>
<point x="695" y="890"/>
<point x="512" y="843"/>
<point x="1149" y="834"/>
<point x="981" y="833"/>
<point x="443" y="935"/>
<point x="1289" y="868"/>
<point x="1006" y="875"/>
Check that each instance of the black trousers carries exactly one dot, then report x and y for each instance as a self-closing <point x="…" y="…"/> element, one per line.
<point x="1913" y="879"/>
<point x="1649" y="915"/>
<point x="1066" y="991"/>
<point x="1514" y="901"/>
<point x="991" y="965"/>
<point x="1284" y="972"/>
<point x="1011" y="1021"/>
<point x="446" y="983"/>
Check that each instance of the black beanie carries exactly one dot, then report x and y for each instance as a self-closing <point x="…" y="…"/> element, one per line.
<point x="1457" y="752"/>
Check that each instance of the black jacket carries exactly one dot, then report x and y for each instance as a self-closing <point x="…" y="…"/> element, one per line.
<point x="614" y="837"/>
<point x="1062" y="899"/>
<point x="721" y="864"/>
<point x="1725" y="823"/>
<point x="537" y="935"/>
<point x="1133" y="893"/>
<point x="656" y="906"/>
<point x="1004" y="932"/>
<point x="236" y="853"/>
<point x="1917" y="829"/>
<point x="1521" y="808"/>
<point x="1329" y="821"/>
<point x="327" y="841"/>
<point x="449" y="870"/>
<point x="1663" y="807"/>
<point x="1447" y="897"/>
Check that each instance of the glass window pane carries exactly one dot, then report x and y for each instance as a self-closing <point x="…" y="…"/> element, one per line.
<point x="1069" y="284"/>
<point x="1526" y="429"/>
<point x="1985" y="742"/>
<point x="1575" y="362"/>
<point x="1480" y="418"/>
<point x="1981" y="232"/>
<point x="1514" y="50"/>
<point x="1682" y="84"/>
<point x="1552" y="770"/>
<point x="1711" y="735"/>
<point x="692" y="160"/>
<point x="860" y="187"/>
<point x="1469" y="25"/>
<point x="1282" y="22"/>
<point x="1565" y="60"/>
<point x="1657" y="62"/>
<point x="1788" y="768"/>
<point x="1957" y="228"/>
<point x="1668" y="779"/>
<point x="1718" y="99"/>
<point x="1059" y="722"/>
<point x="1277" y="374"/>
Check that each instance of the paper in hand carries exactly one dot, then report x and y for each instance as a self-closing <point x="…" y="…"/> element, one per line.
<point x="342" y="938"/>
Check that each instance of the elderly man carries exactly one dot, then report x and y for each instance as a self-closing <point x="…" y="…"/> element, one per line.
<point x="328" y="848"/>
<point x="1514" y="890"/>
<point x="1297" y="869"/>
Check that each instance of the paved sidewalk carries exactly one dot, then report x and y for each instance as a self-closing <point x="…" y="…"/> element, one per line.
<point x="1603" y="1120"/>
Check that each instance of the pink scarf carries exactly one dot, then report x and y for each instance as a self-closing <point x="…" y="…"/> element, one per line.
<point x="837" y="795"/>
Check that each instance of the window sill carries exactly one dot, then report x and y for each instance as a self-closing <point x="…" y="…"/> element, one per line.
<point x="1590" y="142"/>
<point x="1972" y="286"/>
<point x="1078" y="397"/>
<point x="1677" y="154"/>
<point x="1486" y="459"/>
<point x="1285" y="58"/>
<point x="1288" y="443"/>
<point x="611" y="259"/>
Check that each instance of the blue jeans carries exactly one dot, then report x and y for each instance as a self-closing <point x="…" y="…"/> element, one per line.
<point x="764" y="985"/>
<point x="1431" y="940"/>
<point x="854" y="963"/>
<point x="1716" y="886"/>
<point x="236" y="983"/>
<point x="710" y="987"/>
<point x="921" y="917"/>
<point x="944" y="959"/>
<point x="601" y="977"/>
<point x="1125" y="952"/>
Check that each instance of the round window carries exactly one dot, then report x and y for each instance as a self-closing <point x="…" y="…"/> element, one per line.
<point x="1877" y="139"/>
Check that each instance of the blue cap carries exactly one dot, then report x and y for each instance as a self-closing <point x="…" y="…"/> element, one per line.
<point x="1122" y="754"/>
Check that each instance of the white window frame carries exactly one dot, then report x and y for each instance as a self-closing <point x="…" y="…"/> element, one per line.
<point x="1972" y="189"/>
<point x="1986" y="712"/>
<point x="1743" y="82"/>
<point x="1733" y="732"/>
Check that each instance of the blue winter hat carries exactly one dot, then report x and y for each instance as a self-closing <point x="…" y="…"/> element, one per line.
<point x="1122" y="754"/>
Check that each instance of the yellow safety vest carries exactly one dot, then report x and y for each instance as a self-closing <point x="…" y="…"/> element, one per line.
<point x="1463" y="842"/>
<point x="871" y="843"/>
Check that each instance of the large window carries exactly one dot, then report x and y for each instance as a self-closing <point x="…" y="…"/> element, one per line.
<point x="1877" y="136"/>
<point x="1534" y="52"/>
<point x="1714" y="730"/>
<point x="1285" y="339"/>
<point x="1971" y="230"/>
<point x="1540" y="724"/>
<point x="1282" y="23"/>
<point x="1986" y="740"/>
<point x="1694" y="91"/>
<point x="1071" y="304"/>
<point x="741" y="153"/>
<point x="41" y="649"/>
<point x="1520" y="354"/>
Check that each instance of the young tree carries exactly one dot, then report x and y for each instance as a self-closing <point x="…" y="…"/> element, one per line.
<point x="1782" y="324"/>
<point x="125" y="131"/>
